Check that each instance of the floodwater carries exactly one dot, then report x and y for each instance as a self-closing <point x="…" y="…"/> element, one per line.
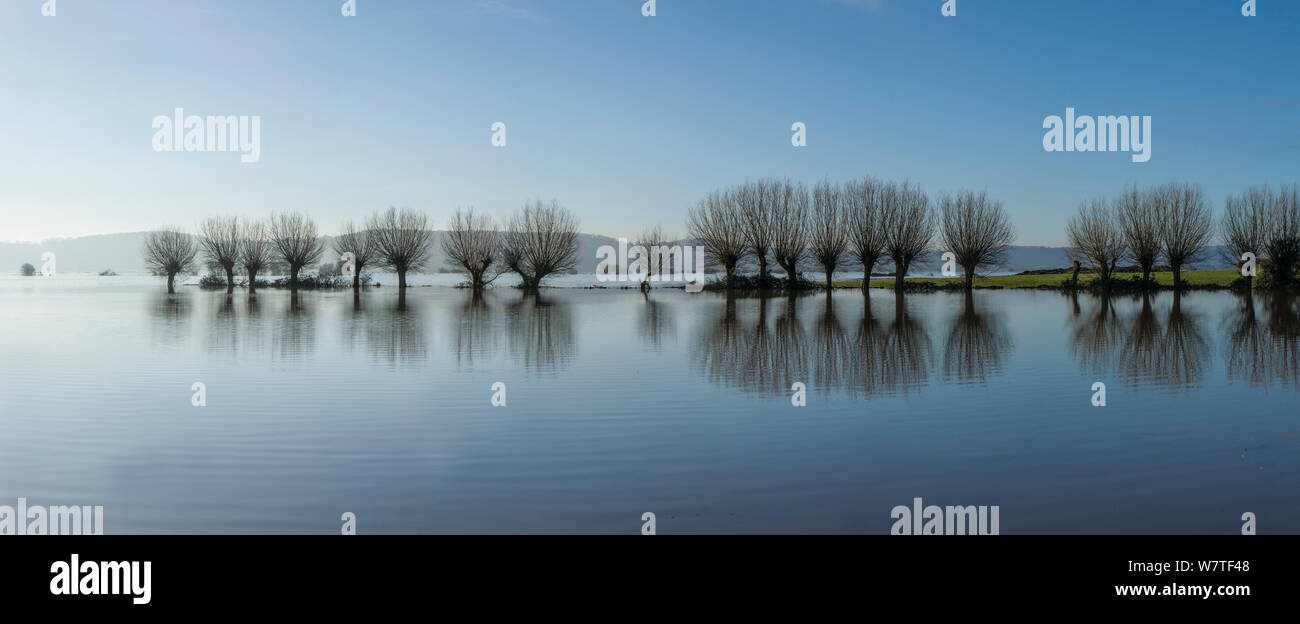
<point x="617" y="404"/>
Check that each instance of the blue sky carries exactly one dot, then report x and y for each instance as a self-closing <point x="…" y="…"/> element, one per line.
<point x="627" y="120"/>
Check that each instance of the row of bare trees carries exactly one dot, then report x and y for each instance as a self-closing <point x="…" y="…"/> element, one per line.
<point x="866" y="220"/>
<point x="1174" y="222"/>
<point x="538" y="241"/>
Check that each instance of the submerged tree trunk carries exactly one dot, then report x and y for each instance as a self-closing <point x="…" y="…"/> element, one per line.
<point x="900" y="271"/>
<point x="356" y="279"/>
<point x="252" y="282"/>
<point x="969" y="278"/>
<point x="171" y="283"/>
<point x="230" y="279"/>
<point x="1074" y="276"/>
<point x="1178" y="276"/>
<point x="401" y="281"/>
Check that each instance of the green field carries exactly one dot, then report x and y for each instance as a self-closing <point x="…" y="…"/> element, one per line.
<point x="1164" y="278"/>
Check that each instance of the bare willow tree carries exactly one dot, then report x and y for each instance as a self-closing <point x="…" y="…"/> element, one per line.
<point x="715" y="224"/>
<point x="359" y="242"/>
<point x="1282" y="236"/>
<point x="1138" y="214"/>
<point x="829" y="227"/>
<point x="865" y="224"/>
<point x="254" y="251"/>
<point x="294" y="237"/>
<point x="977" y="230"/>
<point x="540" y="240"/>
<point x="1244" y="225"/>
<point x="169" y="251"/>
<point x="401" y="239"/>
<point x="219" y="240"/>
<point x="909" y="226"/>
<point x="1185" y="225"/>
<point x="757" y="203"/>
<point x="659" y="256"/>
<point x="1096" y="237"/>
<point x="473" y="243"/>
<point x="790" y="208"/>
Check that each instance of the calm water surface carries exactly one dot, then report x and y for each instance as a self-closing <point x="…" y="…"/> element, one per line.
<point x="620" y="404"/>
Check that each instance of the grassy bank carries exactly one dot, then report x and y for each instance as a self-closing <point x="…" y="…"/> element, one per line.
<point x="1221" y="279"/>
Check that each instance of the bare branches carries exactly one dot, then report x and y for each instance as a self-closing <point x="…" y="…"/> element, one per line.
<point x="863" y="201"/>
<point x="789" y="206"/>
<point x="1138" y="214"/>
<point x="219" y="240"/>
<point x="658" y="254"/>
<point x="829" y="226"/>
<point x="361" y="244"/>
<point x="169" y="251"/>
<point x="715" y="224"/>
<point x="401" y="240"/>
<point x="756" y="202"/>
<point x="977" y="230"/>
<point x="1282" y="237"/>
<point x="473" y="243"/>
<point x="540" y="240"/>
<point x="1185" y="225"/>
<point x="1096" y="236"/>
<point x="908" y="223"/>
<point x="254" y="251"/>
<point x="294" y="237"/>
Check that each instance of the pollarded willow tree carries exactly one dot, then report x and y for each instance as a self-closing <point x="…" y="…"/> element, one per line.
<point x="1138" y="214"/>
<point x="401" y="240"/>
<point x="294" y="237"/>
<point x="1096" y="237"/>
<point x="909" y="226"/>
<point x="866" y="231"/>
<point x="829" y="227"/>
<point x="219" y="239"/>
<point x="977" y="230"/>
<point x="1186" y="226"/>
<point x="715" y="224"/>
<point x="658" y="255"/>
<point x="473" y="243"/>
<point x="169" y="251"/>
<point x="1244" y="225"/>
<point x="361" y="245"/>
<point x="758" y="214"/>
<point x="790" y="209"/>
<point x="1282" y="235"/>
<point x="540" y="240"/>
<point x="254" y="251"/>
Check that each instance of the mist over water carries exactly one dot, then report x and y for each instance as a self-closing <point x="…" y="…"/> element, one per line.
<point x="620" y="403"/>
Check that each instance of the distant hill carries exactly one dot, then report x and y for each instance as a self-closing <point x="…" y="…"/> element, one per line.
<point x="122" y="253"/>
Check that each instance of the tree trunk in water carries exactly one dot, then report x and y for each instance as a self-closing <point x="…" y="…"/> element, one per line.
<point x="171" y="283"/>
<point x="900" y="270"/>
<point x="230" y="280"/>
<point x="866" y="278"/>
<point x="1074" y="277"/>
<point x="293" y="280"/>
<point x="830" y="275"/>
<point x="970" y="279"/>
<point x="731" y="271"/>
<point x="356" y="279"/>
<point x="252" y="282"/>
<point x="1178" y="276"/>
<point x="401" y="281"/>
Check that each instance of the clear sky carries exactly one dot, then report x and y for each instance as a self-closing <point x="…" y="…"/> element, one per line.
<point x="627" y="120"/>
